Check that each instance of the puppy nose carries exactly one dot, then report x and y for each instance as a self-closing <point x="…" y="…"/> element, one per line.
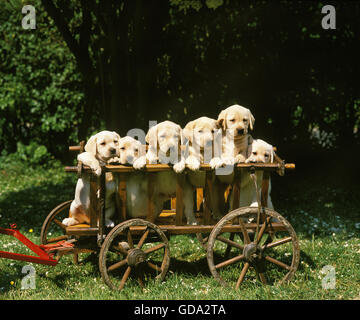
<point x="240" y="131"/>
<point x="112" y="150"/>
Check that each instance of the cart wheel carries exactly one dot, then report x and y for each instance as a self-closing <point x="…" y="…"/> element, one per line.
<point x="272" y="251"/>
<point x="136" y="247"/>
<point x="52" y="229"/>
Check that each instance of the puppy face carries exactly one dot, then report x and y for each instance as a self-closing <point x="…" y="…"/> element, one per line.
<point x="130" y="150"/>
<point x="103" y="145"/>
<point x="201" y="131"/>
<point x="236" y="120"/>
<point x="260" y="151"/>
<point x="167" y="135"/>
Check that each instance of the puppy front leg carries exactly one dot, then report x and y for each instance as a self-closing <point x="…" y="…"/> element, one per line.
<point x="140" y="163"/>
<point x="193" y="163"/>
<point x="89" y="160"/>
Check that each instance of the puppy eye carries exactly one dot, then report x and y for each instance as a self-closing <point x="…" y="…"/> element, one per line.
<point x="232" y="120"/>
<point x="136" y="150"/>
<point x="212" y="131"/>
<point x="103" y="143"/>
<point x="245" y="120"/>
<point x="122" y="148"/>
<point x="266" y="155"/>
<point x="255" y="153"/>
<point x="115" y="141"/>
<point x="200" y="131"/>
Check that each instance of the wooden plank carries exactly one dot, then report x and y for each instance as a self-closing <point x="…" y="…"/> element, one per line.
<point x="187" y="229"/>
<point x="82" y="231"/>
<point x="173" y="203"/>
<point x="121" y="196"/>
<point x="207" y="193"/>
<point x="179" y="199"/>
<point x="236" y="190"/>
<point x="265" y="189"/>
<point x="203" y="167"/>
<point x="199" y="198"/>
<point x="94" y="208"/>
<point x="150" y="216"/>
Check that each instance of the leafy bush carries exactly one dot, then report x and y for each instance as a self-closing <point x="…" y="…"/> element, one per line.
<point x="40" y="88"/>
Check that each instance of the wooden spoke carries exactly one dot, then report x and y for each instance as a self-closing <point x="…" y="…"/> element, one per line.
<point x="230" y="242"/>
<point x="143" y="238"/>
<point x="59" y="223"/>
<point x="230" y="261"/>
<point x="153" y="249"/>
<point x="130" y="239"/>
<point x="242" y="275"/>
<point x="125" y="277"/>
<point x="277" y="243"/>
<point x="154" y="266"/>
<point x="262" y="229"/>
<point x="117" y="265"/>
<point x="278" y="263"/>
<point x="262" y="277"/>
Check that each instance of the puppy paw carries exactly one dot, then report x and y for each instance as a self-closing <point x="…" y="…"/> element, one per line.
<point x="239" y="158"/>
<point x="114" y="160"/>
<point x="96" y="169"/>
<point x="179" y="167"/>
<point x="69" y="222"/>
<point x="229" y="161"/>
<point x="216" y="163"/>
<point x="152" y="158"/>
<point x="139" y="163"/>
<point x="192" y="163"/>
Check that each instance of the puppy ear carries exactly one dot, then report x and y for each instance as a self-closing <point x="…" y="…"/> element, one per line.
<point x="221" y="121"/>
<point x="116" y="135"/>
<point x="188" y="130"/>
<point x="151" y="134"/>
<point x="91" y="145"/>
<point x="272" y="154"/>
<point x="251" y="120"/>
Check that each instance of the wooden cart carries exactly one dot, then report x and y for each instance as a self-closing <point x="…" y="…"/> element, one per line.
<point x="247" y="238"/>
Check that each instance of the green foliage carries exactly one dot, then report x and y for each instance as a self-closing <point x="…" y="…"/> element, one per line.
<point x="40" y="88"/>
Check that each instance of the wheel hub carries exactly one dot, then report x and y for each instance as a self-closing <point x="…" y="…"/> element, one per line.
<point x="252" y="253"/>
<point x="135" y="257"/>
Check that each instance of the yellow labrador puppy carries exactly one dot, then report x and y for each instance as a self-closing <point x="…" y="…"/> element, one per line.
<point x="259" y="151"/>
<point x="235" y="121"/>
<point x="201" y="134"/>
<point x="99" y="149"/>
<point x="165" y="140"/>
<point x="131" y="152"/>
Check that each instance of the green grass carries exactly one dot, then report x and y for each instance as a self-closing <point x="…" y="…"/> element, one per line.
<point x="321" y="209"/>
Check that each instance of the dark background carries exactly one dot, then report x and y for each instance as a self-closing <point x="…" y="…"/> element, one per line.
<point x="115" y="65"/>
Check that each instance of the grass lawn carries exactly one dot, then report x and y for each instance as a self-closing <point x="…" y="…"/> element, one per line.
<point x="321" y="209"/>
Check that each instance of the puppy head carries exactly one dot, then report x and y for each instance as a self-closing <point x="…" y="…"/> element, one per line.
<point x="103" y="145"/>
<point x="130" y="150"/>
<point x="260" y="151"/>
<point x="237" y="120"/>
<point x="168" y="136"/>
<point x="201" y="131"/>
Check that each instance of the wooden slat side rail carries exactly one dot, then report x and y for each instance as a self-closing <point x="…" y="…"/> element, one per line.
<point x="179" y="199"/>
<point x="150" y="216"/>
<point x="190" y="229"/>
<point x="121" y="196"/>
<point x="207" y="192"/>
<point x="236" y="190"/>
<point x="205" y="167"/>
<point x="94" y="203"/>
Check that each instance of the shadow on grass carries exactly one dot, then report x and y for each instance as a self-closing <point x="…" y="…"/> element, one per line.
<point x="29" y="207"/>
